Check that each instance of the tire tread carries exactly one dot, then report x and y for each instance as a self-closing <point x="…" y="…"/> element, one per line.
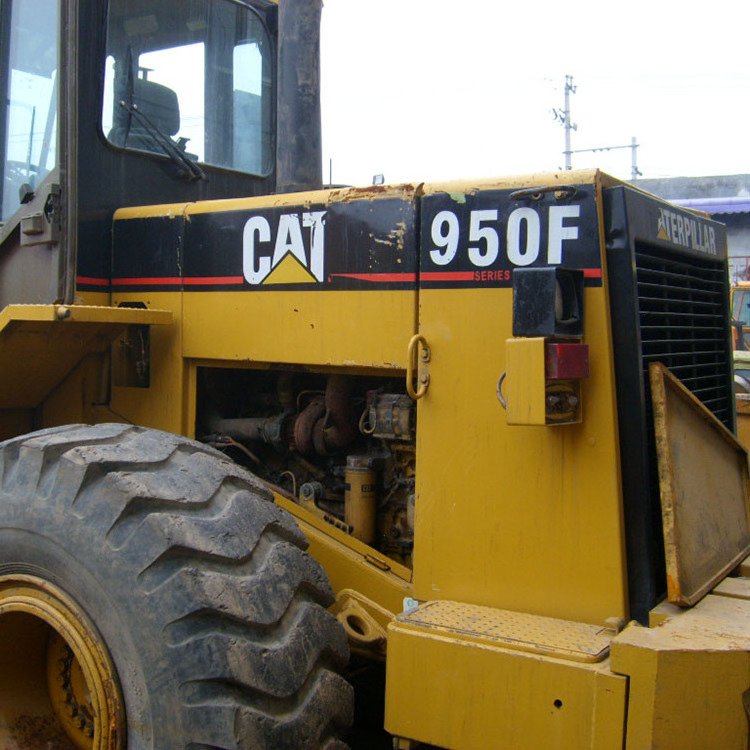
<point x="217" y="571"/>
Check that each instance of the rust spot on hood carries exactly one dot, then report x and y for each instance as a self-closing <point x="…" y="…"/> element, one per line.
<point x="372" y="192"/>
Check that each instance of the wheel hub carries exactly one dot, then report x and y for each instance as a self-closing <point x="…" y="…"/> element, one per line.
<point x="58" y="687"/>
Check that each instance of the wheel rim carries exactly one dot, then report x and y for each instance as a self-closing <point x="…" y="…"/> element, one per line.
<point x="57" y="683"/>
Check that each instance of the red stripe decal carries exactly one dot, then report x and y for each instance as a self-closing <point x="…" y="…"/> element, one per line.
<point x="171" y="280"/>
<point x="200" y="280"/>
<point x="446" y="276"/>
<point x="176" y="280"/>
<point x="589" y="273"/>
<point x="377" y="276"/>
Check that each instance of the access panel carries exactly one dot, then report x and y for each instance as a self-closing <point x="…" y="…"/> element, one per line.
<point x="525" y="518"/>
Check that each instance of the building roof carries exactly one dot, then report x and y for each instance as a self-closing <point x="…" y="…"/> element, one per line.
<point x="729" y="205"/>
<point x="716" y="195"/>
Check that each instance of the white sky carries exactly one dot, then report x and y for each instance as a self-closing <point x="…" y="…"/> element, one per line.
<point x="430" y="90"/>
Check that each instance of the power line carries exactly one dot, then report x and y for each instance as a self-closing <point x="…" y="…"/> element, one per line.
<point x="635" y="173"/>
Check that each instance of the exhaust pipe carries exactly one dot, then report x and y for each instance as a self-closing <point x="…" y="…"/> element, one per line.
<point x="298" y="129"/>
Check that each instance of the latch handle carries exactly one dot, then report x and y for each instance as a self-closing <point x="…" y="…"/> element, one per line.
<point x="424" y="379"/>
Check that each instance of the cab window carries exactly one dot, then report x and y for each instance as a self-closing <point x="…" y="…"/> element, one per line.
<point x="192" y="77"/>
<point x="28" y="79"/>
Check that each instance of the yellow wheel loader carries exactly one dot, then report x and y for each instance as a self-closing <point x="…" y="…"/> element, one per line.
<point x="278" y="454"/>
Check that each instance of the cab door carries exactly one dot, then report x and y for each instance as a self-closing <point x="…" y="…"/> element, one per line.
<point x="36" y="127"/>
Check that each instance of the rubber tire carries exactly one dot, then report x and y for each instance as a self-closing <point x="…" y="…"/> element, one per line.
<point x="212" y="612"/>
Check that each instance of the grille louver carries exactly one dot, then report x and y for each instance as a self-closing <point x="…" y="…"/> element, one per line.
<point x="682" y="322"/>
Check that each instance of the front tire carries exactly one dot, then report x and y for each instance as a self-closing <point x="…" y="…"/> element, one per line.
<point x="192" y="589"/>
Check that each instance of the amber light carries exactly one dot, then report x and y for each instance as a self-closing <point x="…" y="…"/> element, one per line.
<point x="566" y="361"/>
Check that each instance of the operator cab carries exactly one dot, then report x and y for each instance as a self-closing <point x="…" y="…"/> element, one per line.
<point x="124" y="102"/>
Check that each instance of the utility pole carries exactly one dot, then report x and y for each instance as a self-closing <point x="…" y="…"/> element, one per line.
<point x="563" y="115"/>
<point x="564" y="118"/>
<point x="569" y="89"/>
<point x="635" y="173"/>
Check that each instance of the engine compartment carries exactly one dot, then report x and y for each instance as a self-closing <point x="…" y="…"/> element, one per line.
<point x="342" y="446"/>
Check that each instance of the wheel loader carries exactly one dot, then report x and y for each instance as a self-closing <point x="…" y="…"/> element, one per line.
<point x="277" y="453"/>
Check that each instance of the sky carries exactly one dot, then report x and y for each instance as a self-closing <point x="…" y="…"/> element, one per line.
<point x="432" y="90"/>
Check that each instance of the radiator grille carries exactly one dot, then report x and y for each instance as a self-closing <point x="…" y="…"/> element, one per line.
<point x="668" y="305"/>
<point x="683" y="323"/>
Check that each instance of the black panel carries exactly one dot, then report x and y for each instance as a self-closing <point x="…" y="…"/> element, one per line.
<point x="364" y="244"/>
<point x="478" y="238"/>
<point x="668" y="303"/>
<point x="147" y="253"/>
<point x="352" y="244"/>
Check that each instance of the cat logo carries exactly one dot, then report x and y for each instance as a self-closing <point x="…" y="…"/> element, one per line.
<point x="687" y="231"/>
<point x="292" y="254"/>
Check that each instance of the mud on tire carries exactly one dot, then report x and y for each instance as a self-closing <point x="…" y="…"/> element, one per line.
<point x="212" y="612"/>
